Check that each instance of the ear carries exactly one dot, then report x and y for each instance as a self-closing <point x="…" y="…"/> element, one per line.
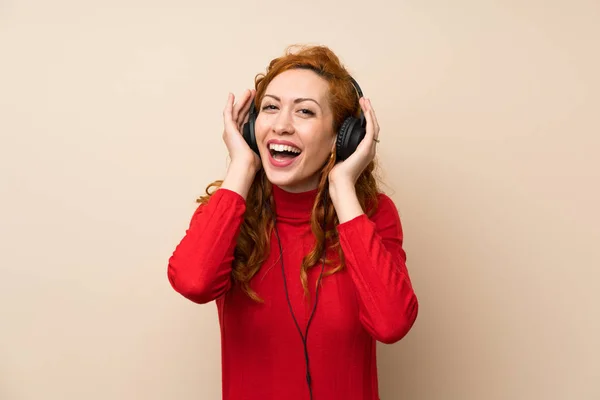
<point x="333" y="142"/>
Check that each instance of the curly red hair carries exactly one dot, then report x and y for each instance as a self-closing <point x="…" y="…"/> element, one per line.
<point x="254" y="239"/>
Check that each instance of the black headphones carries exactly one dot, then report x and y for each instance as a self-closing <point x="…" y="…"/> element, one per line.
<point x="351" y="132"/>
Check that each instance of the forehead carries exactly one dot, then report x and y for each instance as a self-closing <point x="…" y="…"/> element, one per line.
<point x="298" y="83"/>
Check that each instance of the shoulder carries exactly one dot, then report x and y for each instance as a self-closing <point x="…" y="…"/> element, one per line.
<point x="221" y="201"/>
<point x="384" y="206"/>
<point x="385" y="213"/>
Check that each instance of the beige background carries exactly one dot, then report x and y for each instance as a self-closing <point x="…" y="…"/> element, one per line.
<point x="110" y="121"/>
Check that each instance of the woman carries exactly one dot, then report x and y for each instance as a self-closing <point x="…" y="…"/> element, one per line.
<point x="295" y="238"/>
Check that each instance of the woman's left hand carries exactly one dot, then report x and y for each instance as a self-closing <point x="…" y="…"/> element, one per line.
<point x="347" y="172"/>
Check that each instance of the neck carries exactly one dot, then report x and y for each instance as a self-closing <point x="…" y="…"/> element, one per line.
<point x="301" y="187"/>
<point x="294" y="205"/>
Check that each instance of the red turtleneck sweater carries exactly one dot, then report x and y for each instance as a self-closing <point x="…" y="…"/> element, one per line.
<point x="262" y="352"/>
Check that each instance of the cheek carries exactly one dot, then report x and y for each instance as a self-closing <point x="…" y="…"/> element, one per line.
<point x="321" y="147"/>
<point x="258" y="126"/>
<point x="261" y="127"/>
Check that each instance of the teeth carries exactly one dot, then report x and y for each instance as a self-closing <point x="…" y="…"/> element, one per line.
<point x="283" y="147"/>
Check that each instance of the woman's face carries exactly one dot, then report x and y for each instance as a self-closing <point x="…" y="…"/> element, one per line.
<point x="294" y="129"/>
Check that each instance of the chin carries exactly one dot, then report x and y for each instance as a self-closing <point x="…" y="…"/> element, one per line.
<point x="280" y="178"/>
<point x="290" y="181"/>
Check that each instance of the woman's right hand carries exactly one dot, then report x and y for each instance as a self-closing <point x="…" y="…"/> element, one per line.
<point x="234" y="118"/>
<point x="245" y="163"/>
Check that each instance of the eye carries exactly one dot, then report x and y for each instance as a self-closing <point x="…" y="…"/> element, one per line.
<point x="306" y="111"/>
<point x="269" y="107"/>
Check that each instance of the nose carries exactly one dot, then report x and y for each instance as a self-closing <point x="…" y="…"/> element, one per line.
<point x="283" y="124"/>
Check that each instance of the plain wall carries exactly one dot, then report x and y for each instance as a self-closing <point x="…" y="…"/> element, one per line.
<point x="110" y="122"/>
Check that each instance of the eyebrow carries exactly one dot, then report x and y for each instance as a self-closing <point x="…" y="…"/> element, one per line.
<point x="296" y="101"/>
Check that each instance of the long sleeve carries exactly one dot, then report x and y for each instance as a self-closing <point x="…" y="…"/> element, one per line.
<point x="376" y="263"/>
<point x="200" y="266"/>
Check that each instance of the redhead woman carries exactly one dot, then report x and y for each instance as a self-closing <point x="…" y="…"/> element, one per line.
<point x="297" y="246"/>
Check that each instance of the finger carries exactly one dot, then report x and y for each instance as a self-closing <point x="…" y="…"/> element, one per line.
<point x="229" y="95"/>
<point x="245" y="120"/>
<point x="373" y="115"/>
<point x="236" y="109"/>
<point x="243" y="115"/>
<point x="228" y="104"/>
<point x="239" y="105"/>
<point x="228" y="111"/>
<point x="245" y="105"/>
<point x="375" y="122"/>
<point x="370" y="132"/>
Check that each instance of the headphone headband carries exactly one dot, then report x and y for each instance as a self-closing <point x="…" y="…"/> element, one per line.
<point x="357" y="87"/>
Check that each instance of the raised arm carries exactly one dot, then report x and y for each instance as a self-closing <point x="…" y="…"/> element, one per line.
<point x="376" y="262"/>
<point x="200" y="266"/>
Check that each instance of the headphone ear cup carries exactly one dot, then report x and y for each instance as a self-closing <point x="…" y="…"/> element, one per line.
<point x="248" y="130"/>
<point x="351" y="133"/>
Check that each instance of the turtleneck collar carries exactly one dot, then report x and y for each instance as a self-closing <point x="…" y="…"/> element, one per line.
<point x="293" y="206"/>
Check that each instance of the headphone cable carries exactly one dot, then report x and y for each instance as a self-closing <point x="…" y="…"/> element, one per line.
<point x="304" y="337"/>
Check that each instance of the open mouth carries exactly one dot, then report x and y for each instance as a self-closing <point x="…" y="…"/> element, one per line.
<point x="283" y="152"/>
